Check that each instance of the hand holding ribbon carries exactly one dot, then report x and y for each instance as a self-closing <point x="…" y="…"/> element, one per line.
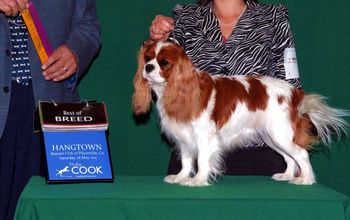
<point x="13" y="7"/>
<point x="61" y="64"/>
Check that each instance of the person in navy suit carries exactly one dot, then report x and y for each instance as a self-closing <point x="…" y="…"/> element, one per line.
<point x="74" y="32"/>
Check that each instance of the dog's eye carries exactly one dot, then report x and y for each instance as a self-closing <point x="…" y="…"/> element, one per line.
<point x="163" y="62"/>
<point x="147" y="58"/>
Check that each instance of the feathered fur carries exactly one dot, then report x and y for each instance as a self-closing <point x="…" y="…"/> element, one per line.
<point x="327" y="120"/>
<point x="142" y="97"/>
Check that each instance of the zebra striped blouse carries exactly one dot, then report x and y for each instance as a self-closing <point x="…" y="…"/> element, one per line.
<point x="256" y="46"/>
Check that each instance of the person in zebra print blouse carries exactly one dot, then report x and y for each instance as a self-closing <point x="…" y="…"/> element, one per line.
<point x="235" y="37"/>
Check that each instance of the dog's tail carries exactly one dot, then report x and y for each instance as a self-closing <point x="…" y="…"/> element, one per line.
<point x="327" y="121"/>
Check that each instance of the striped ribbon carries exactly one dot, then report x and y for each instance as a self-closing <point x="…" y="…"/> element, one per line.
<point x="37" y="32"/>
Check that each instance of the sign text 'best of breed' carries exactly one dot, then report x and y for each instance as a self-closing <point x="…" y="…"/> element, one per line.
<point x="75" y="142"/>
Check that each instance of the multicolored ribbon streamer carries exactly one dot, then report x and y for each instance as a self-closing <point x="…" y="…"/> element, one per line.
<point x="37" y="32"/>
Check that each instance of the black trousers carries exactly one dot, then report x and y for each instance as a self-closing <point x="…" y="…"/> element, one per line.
<point x="261" y="161"/>
<point x="21" y="151"/>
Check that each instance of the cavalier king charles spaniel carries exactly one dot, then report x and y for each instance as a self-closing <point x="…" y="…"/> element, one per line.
<point x="206" y="115"/>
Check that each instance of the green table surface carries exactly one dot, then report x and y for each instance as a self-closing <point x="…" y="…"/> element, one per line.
<point x="148" y="197"/>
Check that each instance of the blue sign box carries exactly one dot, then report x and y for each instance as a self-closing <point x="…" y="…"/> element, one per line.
<point x="77" y="156"/>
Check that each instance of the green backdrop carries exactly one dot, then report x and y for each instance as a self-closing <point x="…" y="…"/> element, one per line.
<point x="321" y="30"/>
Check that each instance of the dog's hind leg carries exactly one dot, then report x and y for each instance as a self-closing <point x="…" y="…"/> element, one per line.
<point x="290" y="171"/>
<point x="307" y="176"/>
<point x="293" y="153"/>
<point x="281" y="134"/>
<point x="292" y="167"/>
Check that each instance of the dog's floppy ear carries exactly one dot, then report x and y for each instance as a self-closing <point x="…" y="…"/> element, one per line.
<point x="182" y="93"/>
<point x="142" y="92"/>
<point x="147" y="42"/>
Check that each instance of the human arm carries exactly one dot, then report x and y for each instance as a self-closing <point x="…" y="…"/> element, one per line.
<point x="82" y="44"/>
<point x="161" y="27"/>
<point x="62" y="64"/>
<point x="282" y="42"/>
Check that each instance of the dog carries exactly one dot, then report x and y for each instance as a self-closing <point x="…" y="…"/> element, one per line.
<point x="206" y="115"/>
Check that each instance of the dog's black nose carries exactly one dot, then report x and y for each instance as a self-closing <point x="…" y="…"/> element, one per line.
<point x="149" y="68"/>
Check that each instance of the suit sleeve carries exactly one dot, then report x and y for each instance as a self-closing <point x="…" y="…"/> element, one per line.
<point x="283" y="39"/>
<point x="84" y="38"/>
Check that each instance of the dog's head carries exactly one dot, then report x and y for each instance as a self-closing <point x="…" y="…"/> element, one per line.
<point x="161" y="61"/>
<point x="164" y="67"/>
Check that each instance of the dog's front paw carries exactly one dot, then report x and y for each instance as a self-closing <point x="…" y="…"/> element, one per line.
<point x="303" y="181"/>
<point x="195" y="182"/>
<point x="282" y="177"/>
<point x="174" y="179"/>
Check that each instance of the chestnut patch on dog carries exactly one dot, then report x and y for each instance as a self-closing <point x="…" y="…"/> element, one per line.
<point x="206" y="85"/>
<point x="167" y="58"/>
<point x="257" y="95"/>
<point x="302" y="125"/>
<point x="228" y="93"/>
<point x="231" y="91"/>
<point x="149" y="53"/>
<point x="182" y="92"/>
<point x="280" y="99"/>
